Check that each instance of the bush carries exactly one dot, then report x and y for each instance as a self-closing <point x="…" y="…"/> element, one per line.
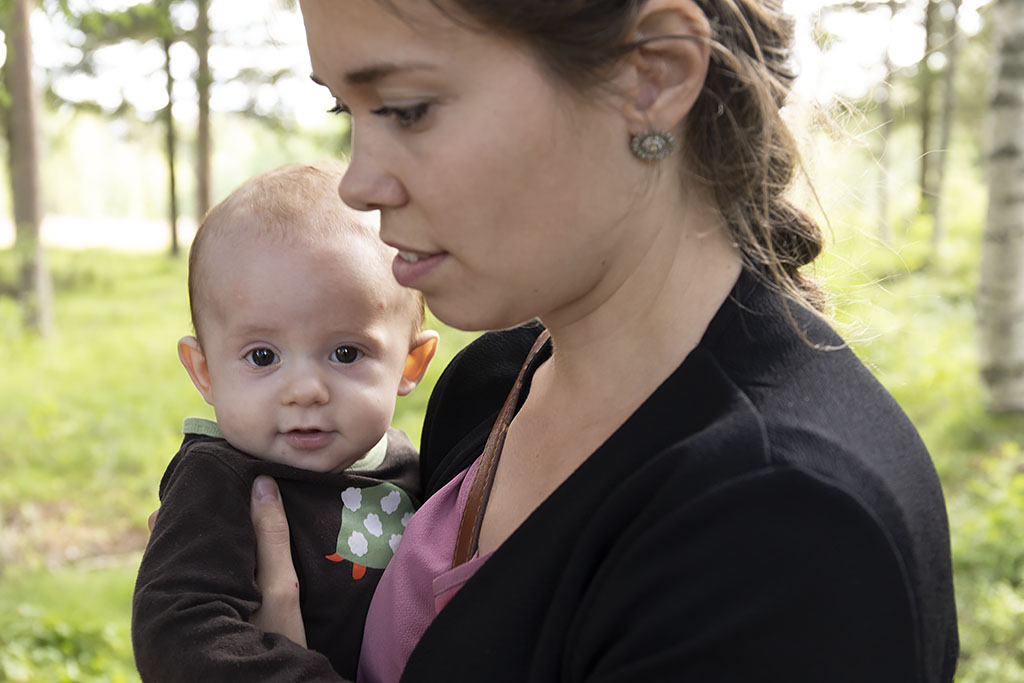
<point x="38" y="647"/>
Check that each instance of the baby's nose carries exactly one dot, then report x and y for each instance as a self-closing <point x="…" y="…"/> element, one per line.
<point x="306" y="389"/>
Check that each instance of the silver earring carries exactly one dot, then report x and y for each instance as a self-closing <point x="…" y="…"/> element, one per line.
<point x="652" y="144"/>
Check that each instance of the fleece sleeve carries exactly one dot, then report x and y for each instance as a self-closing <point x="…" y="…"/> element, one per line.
<point x="776" y="576"/>
<point x="196" y="590"/>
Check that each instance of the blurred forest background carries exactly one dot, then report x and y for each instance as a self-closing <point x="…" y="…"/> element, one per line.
<point x="122" y="123"/>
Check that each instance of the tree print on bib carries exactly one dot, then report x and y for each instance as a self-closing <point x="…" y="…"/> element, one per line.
<point x="373" y="520"/>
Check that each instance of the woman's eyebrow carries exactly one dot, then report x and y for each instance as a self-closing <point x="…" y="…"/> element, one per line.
<point x="376" y="72"/>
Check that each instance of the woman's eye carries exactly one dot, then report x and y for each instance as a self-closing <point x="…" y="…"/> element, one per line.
<point x="404" y="116"/>
<point x="346" y="354"/>
<point x="261" y="357"/>
<point x="338" y="108"/>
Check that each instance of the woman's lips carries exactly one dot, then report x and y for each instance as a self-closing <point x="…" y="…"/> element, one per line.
<point x="308" y="439"/>
<point x="409" y="267"/>
<point x="411" y="256"/>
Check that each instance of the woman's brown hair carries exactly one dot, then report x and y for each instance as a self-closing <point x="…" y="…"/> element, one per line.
<point x="736" y="139"/>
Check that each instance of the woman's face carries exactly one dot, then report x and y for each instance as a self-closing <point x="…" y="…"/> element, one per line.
<point x="504" y="194"/>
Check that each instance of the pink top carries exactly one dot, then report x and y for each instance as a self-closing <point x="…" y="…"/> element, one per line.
<point x="417" y="583"/>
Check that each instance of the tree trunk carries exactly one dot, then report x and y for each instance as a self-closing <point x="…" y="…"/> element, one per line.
<point x="34" y="287"/>
<point x="203" y="81"/>
<point x="927" y="82"/>
<point x="171" y="144"/>
<point x="885" y="132"/>
<point x="1001" y="290"/>
<point x="952" y="51"/>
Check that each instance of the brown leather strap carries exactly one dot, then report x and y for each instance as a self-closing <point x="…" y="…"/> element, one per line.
<point x="472" y="516"/>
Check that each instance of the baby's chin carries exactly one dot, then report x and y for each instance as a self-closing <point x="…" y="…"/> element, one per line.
<point x="319" y="452"/>
<point x="332" y="464"/>
<point x="324" y="463"/>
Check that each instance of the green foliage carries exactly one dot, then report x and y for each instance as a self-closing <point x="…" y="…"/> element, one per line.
<point x="99" y="29"/>
<point x="40" y="649"/>
<point x="66" y="626"/>
<point x="989" y="561"/>
<point x="141" y="22"/>
<point x="908" y="310"/>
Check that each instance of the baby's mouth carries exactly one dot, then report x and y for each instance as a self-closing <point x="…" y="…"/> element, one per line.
<point x="308" y="439"/>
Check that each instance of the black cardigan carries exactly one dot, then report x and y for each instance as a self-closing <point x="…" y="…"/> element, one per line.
<point x="768" y="514"/>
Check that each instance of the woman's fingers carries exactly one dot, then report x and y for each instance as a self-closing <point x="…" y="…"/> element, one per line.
<point x="275" y="573"/>
<point x="152" y="519"/>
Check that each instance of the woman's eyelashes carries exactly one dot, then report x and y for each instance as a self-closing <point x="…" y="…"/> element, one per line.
<point x="403" y="116"/>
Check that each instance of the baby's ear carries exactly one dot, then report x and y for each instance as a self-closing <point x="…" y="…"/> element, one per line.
<point x="423" y="349"/>
<point x="192" y="357"/>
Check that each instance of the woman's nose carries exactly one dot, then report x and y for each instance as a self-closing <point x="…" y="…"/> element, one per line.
<point x="368" y="184"/>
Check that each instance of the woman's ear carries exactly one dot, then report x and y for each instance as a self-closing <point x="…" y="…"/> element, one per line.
<point x="667" y="70"/>
<point x="191" y="356"/>
<point x="423" y="349"/>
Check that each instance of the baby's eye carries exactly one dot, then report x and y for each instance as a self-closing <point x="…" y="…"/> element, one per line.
<point x="261" y="357"/>
<point x="346" y="354"/>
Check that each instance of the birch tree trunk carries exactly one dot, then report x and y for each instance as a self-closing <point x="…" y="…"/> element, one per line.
<point x="1001" y="289"/>
<point x="34" y="287"/>
<point x="883" y="157"/>
<point x="171" y="143"/>
<point x="927" y="77"/>
<point x="952" y="52"/>
<point x="885" y="110"/>
<point x="203" y="81"/>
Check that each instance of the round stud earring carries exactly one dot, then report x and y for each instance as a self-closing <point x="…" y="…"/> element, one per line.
<point x="653" y="144"/>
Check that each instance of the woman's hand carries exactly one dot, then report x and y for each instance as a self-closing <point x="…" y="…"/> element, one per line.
<point x="275" y="573"/>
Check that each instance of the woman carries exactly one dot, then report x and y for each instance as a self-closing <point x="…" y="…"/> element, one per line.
<point x="697" y="480"/>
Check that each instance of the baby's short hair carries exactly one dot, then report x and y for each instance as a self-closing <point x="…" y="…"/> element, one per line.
<point x="296" y="204"/>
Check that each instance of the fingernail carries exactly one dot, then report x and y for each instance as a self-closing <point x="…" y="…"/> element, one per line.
<point x="265" y="489"/>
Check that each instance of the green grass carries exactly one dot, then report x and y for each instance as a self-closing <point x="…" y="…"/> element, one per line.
<point x="68" y="624"/>
<point x="90" y="417"/>
<point x="88" y="421"/>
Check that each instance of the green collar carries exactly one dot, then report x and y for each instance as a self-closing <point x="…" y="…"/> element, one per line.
<point x="202" y="426"/>
<point x="371" y="461"/>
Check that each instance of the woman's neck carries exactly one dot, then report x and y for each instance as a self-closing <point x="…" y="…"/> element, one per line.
<point x="653" y="312"/>
<point x="605" y="363"/>
<point x="662" y="284"/>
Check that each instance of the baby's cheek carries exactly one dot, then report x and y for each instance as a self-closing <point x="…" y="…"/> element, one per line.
<point x="245" y="433"/>
<point x="378" y="410"/>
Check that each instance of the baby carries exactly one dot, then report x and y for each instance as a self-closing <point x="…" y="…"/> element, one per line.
<point x="303" y="339"/>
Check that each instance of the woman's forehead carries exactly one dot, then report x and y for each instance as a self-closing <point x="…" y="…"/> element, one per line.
<point x="359" y="43"/>
<point x="378" y="21"/>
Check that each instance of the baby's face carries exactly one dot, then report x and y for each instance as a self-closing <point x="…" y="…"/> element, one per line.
<point x="305" y="348"/>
